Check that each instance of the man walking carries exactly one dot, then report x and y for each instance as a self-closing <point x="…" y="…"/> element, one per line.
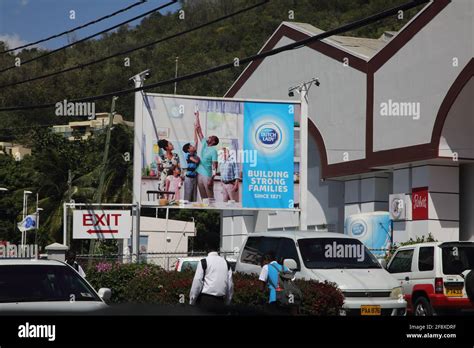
<point x="212" y="284"/>
<point x="269" y="278"/>
<point x="71" y="261"/>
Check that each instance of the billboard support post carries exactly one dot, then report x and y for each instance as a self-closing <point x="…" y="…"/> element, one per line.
<point x="136" y="235"/>
<point x="303" y="90"/>
<point x="138" y="81"/>
<point x="304" y="159"/>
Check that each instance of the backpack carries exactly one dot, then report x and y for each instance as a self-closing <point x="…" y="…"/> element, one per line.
<point x="204" y="267"/>
<point x="287" y="293"/>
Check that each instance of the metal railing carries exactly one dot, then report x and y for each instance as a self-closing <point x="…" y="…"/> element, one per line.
<point x="166" y="261"/>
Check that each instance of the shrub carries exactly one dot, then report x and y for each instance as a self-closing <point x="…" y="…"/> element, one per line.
<point x="147" y="283"/>
<point x="320" y="298"/>
<point x="411" y="241"/>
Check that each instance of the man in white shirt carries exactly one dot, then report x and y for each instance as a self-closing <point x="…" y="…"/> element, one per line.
<point x="212" y="283"/>
<point x="71" y="261"/>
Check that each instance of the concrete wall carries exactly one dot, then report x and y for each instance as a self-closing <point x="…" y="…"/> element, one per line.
<point x="156" y="241"/>
<point x="337" y="107"/>
<point x="443" y="202"/>
<point x="422" y="71"/>
<point x="455" y="139"/>
<point x="366" y="195"/>
<point x="235" y="226"/>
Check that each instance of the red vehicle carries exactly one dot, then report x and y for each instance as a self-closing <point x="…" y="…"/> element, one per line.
<point x="437" y="278"/>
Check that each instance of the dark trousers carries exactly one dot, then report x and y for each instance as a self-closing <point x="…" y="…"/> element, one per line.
<point x="211" y="303"/>
<point x="273" y="308"/>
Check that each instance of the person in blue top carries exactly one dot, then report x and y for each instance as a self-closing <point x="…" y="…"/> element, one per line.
<point x="269" y="278"/>
<point x="207" y="168"/>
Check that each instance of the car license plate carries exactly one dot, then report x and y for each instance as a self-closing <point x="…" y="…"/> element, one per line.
<point x="370" y="310"/>
<point x="454" y="292"/>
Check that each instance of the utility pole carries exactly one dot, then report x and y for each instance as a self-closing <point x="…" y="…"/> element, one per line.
<point x="303" y="90"/>
<point x="105" y="158"/>
<point x="176" y="74"/>
<point x="138" y="81"/>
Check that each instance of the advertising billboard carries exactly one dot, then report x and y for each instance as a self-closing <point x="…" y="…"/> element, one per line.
<point x="373" y="229"/>
<point x="218" y="153"/>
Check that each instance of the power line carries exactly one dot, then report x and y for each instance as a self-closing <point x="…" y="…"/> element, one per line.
<point x="90" y="36"/>
<point x="141" y="2"/>
<point x="136" y="48"/>
<point x="297" y="44"/>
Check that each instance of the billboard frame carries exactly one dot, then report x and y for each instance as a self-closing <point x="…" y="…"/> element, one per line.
<point x="140" y="106"/>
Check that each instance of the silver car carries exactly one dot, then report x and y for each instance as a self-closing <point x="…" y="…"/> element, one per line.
<point x="29" y="285"/>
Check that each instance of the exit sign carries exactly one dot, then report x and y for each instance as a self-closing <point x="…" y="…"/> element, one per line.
<point x="102" y="224"/>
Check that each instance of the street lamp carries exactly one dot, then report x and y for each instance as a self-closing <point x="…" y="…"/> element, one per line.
<point x="3" y="189"/>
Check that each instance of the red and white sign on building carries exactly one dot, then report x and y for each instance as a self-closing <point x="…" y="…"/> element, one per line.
<point x="102" y="224"/>
<point x="419" y="203"/>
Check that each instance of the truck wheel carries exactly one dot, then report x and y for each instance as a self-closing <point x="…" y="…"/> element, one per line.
<point x="422" y="307"/>
<point x="469" y="285"/>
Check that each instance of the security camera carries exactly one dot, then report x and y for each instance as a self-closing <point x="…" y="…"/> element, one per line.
<point x="143" y="75"/>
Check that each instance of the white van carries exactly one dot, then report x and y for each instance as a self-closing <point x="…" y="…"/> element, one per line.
<point x="367" y="287"/>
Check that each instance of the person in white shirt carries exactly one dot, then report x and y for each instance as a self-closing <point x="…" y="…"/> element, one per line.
<point x="71" y="261"/>
<point x="212" y="283"/>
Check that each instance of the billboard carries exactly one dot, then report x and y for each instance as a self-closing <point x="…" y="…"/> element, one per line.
<point x="373" y="229"/>
<point x="218" y="153"/>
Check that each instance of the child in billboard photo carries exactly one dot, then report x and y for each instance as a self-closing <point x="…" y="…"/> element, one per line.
<point x="190" y="179"/>
<point x="174" y="183"/>
<point x="168" y="160"/>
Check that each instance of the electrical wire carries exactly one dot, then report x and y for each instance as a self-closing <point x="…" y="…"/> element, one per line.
<point x="141" y="2"/>
<point x="136" y="48"/>
<point x="295" y="45"/>
<point x="90" y="36"/>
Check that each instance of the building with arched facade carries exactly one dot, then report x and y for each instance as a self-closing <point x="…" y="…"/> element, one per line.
<point x="393" y="115"/>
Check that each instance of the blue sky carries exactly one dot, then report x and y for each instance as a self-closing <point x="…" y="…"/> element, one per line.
<point x="25" y="21"/>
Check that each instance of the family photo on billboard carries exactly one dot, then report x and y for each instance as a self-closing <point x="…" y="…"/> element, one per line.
<point x="216" y="153"/>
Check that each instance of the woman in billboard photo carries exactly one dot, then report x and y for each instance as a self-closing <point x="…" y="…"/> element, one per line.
<point x="168" y="161"/>
<point x="207" y="168"/>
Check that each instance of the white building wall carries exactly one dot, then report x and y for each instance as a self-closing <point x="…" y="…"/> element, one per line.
<point x="430" y="61"/>
<point x="235" y="226"/>
<point x="366" y="195"/>
<point x="443" y="202"/>
<point x="458" y="142"/>
<point x="337" y="107"/>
